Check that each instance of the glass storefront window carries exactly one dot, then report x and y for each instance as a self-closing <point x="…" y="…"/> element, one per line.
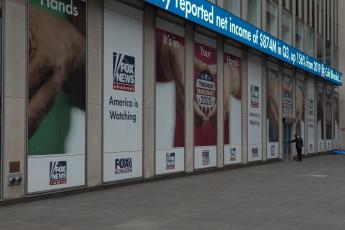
<point x="299" y="35"/>
<point x="234" y="6"/>
<point x="320" y="49"/>
<point x="310" y="42"/>
<point x="272" y="18"/>
<point x="287" y="27"/>
<point x="335" y="57"/>
<point x="328" y="57"/>
<point x="254" y="12"/>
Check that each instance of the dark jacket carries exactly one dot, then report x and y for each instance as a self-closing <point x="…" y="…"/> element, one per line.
<point x="299" y="142"/>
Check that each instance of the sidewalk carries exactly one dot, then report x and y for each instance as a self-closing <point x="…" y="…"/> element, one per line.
<point x="284" y="195"/>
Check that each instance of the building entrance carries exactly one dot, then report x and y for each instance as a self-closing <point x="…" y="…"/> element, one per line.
<point x="287" y="131"/>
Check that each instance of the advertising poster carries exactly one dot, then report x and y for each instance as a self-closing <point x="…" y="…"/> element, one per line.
<point x="57" y="94"/>
<point x="232" y="109"/>
<point x="300" y="107"/>
<point x="254" y="108"/>
<point x="122" y="85"/>
<point x="328" y="113"/>
<point x="288" y="96"/>
<point x="170" y="97"/>
<point x="272" y="114"/>
<point x="320" y="116"/>
<point x="311" y="115"/>
<point x="336" y="135"/>
<point x="205" y="109"/>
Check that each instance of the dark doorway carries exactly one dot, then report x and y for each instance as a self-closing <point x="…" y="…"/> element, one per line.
<point x="287" y="131"/>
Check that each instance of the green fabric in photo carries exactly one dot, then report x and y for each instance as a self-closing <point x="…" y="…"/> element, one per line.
<point x="50" y="137"/>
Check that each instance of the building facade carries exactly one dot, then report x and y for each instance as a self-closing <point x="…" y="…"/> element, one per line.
<point x="105" y="92"/>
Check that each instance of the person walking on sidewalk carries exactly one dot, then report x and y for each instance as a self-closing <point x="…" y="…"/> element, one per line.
<point x="299" y="144"/>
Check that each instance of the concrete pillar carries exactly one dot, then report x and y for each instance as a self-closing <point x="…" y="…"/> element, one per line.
<point x="280" y="109"/>
<point x="94" y="95"/>
<point x="244" y="9"/>
<point x="220" y="102"/>
<point x="149" y="92"/>
<point x="293" y="39"/>
<point x="263" y="15"/>
<point x="280" y="19"/>
<point x="244" y="105"/>
<point x="220" y="3"/>
<point x="15" y="75"/>
<point x="189" y="115"/>
<point x="264" y="109"/>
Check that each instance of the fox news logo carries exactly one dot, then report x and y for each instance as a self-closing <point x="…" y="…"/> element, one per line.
<point x="123" y="72"/>
<point x="255" y="152"/>
<point x="205" y="157"/>
<point x="170" y="161"/>
<point x="254" y="96"/>
<point x="58" y="172"/>
<point x="123" y="165"/>
<point x="273" y="150"/>
<point x="232" y="154"/>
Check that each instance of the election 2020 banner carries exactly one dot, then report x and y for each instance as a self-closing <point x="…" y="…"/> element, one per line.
<point x="217" y="19"/>
<point x="205" y="102"/>
<point x="123" y="89"/>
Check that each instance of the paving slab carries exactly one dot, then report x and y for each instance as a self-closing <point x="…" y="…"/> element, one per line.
<point x="283" y="195"/>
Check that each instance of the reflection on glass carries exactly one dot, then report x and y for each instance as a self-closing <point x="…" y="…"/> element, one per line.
<point x="234" y="6"/>
<point x="272" y="18"/>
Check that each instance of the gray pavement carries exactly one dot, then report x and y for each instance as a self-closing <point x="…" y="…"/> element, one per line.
<point x="284" y="195"/>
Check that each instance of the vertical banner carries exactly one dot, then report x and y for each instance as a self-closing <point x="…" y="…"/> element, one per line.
<point x="122" y="103"/>
<point x="329" y="110"/>
<point x="170" y="97"/>
<point x="300" y="107"/>
<point x="272" y="114"/>
<point x="320" y="116"/>
<point x="254" y="108"/>
<point x="311" y="115"/>
<point x="205" y="109"/>
<point x="287" y="96"/>
<point x="232" y="109"/>
<point x="57" y="94"/>
<point x="336" y="131"/>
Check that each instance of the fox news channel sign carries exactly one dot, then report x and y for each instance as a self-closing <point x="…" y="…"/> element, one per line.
<point x="212" y="17"/>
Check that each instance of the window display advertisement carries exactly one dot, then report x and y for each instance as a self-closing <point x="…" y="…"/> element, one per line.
<point x="57" y="89"/>
<point x="254" y="109"/>
<point x="122" y="103"/>
<point x="320" y="116"/>
<point x="272" y="114"/>
<point x="232" y="109"/>
<point x="170" y="97"/>
<point x="287" y="96"/>
<point x="311" y="115"/>
<point x="205" y="109"/>
<point x="336" y="133"/>
<point x="328" y="107"/>
<point x="300" y="106"/>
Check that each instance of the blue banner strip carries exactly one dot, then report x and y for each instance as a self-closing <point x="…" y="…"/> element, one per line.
<point x="217" y="19"/>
